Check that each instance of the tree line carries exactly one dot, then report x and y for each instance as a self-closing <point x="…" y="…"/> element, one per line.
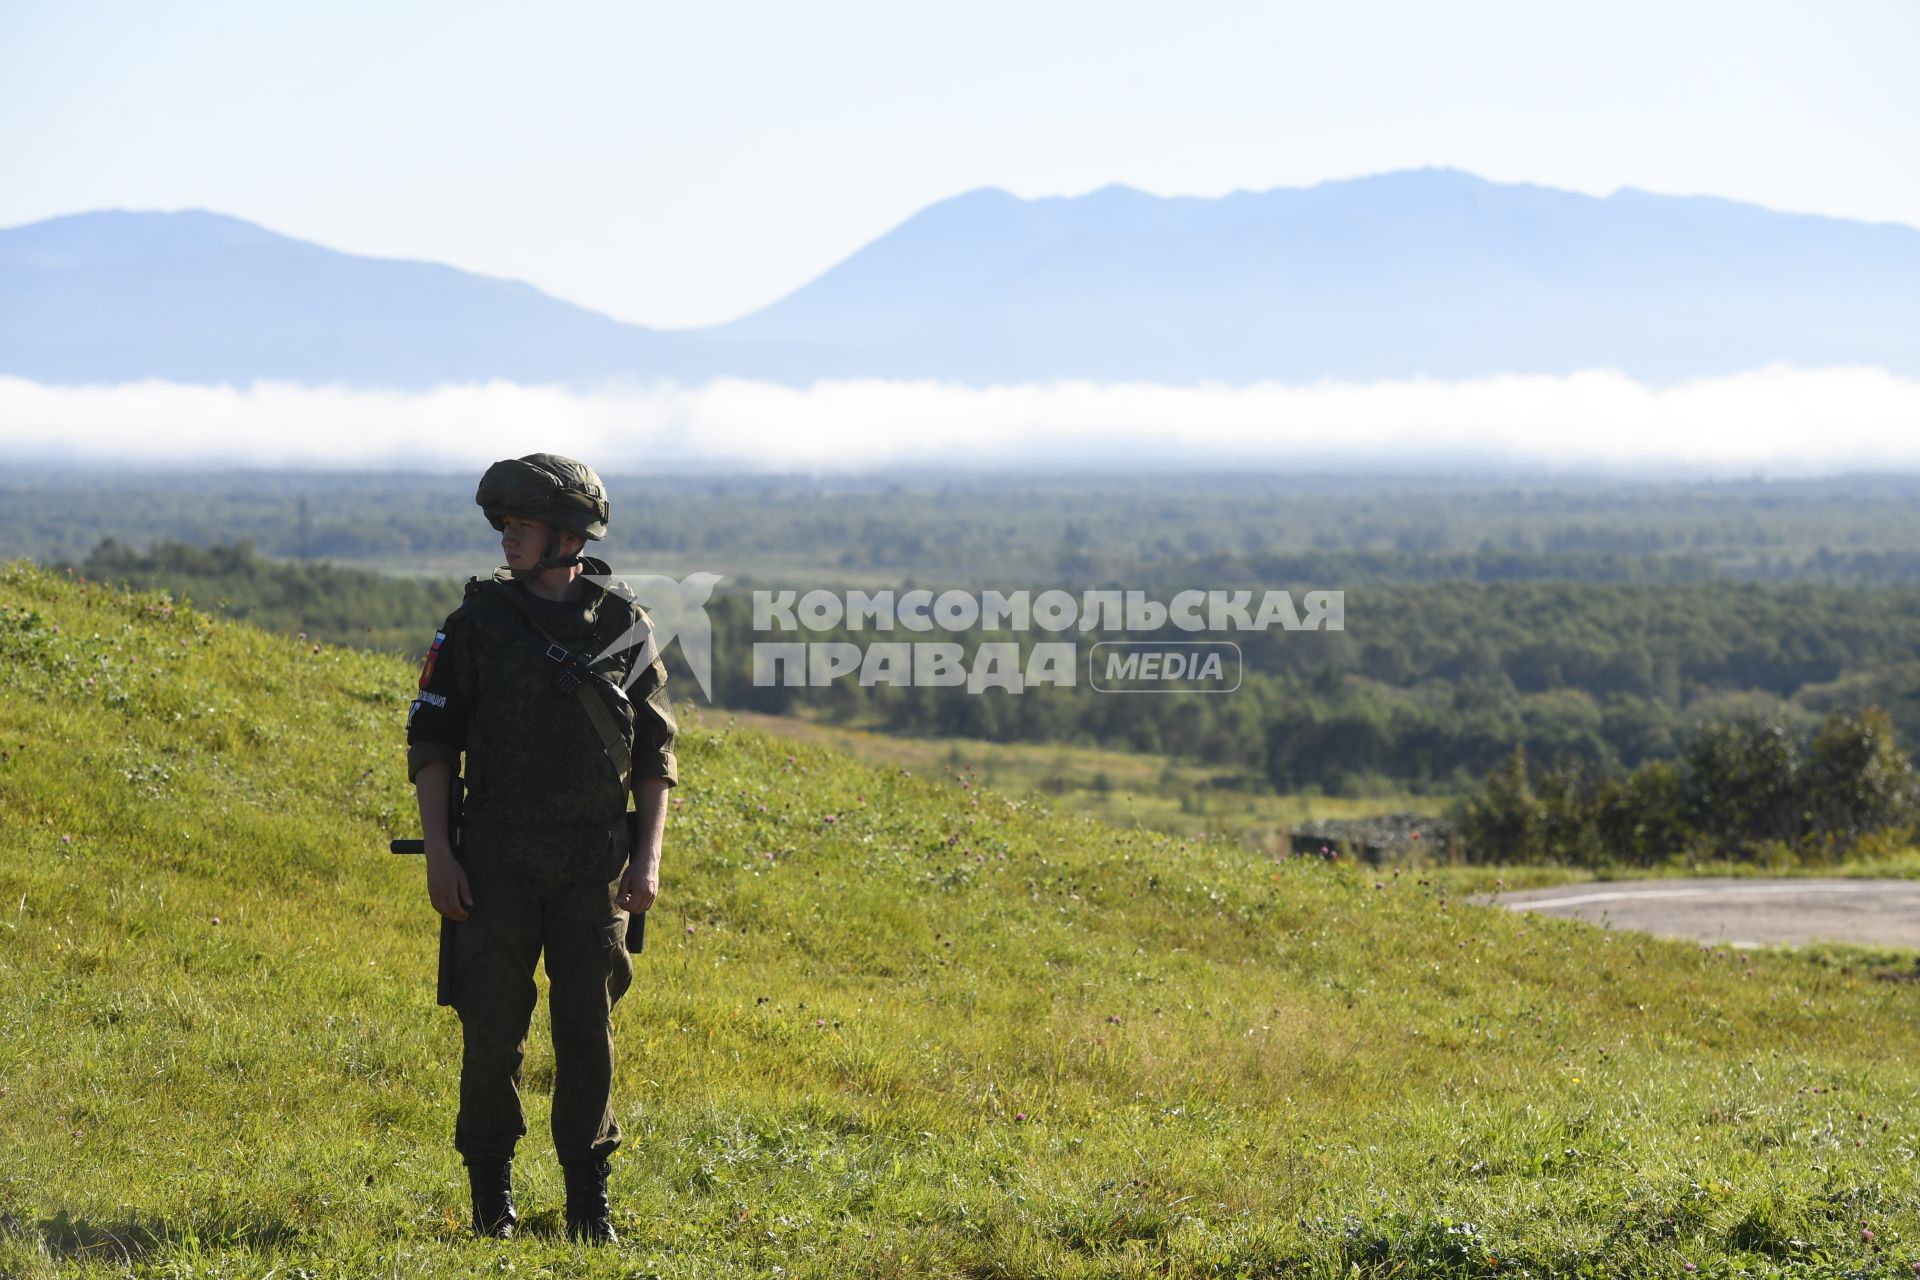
<point x="1744" y="789"/>
<point x="323" y="601"/>
<point x="1065" y="529"/>
<point x="1430" y="686"/>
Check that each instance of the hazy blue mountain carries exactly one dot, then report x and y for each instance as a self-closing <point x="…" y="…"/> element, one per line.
<point x="198" y="297"/>
<point x="1433" y="273"/>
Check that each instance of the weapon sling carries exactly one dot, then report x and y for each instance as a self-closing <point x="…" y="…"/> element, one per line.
<point x="603" y="723"/>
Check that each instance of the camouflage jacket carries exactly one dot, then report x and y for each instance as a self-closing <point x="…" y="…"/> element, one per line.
<point x="542" y="796"/>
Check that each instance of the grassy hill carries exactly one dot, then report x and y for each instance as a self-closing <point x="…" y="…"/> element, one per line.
<point x="888" y="1024"/>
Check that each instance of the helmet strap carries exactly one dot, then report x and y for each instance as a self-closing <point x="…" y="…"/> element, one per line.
<point x="551" y="559"/>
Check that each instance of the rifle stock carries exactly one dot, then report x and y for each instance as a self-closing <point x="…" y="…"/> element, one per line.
<point x="447" y="988"/>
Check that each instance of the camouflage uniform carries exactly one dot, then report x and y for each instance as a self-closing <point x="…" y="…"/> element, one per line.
<point x="545" y="839"/>
<point x="544" y="845"/>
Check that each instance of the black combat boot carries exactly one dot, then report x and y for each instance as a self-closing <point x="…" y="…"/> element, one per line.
<point x="587" y="1212"/>
<point x="492" y="1183"/>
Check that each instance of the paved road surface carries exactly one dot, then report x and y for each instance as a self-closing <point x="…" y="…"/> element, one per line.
<point x="1741" y="913"/>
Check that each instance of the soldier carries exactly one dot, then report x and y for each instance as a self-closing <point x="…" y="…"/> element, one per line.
<point x="526" y="679"/>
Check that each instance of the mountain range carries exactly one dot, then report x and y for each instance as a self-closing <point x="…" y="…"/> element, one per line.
<point x="1426" y="273"/>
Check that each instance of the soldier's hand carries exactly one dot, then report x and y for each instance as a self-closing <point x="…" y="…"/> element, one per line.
<point x="447" y="884"/>
<point x="639" y="886"/>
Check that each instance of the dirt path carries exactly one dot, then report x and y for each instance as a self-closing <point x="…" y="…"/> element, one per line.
<point x="1740" y="913"/>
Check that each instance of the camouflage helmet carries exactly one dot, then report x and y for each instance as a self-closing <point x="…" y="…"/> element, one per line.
<point x="545" y="486"/>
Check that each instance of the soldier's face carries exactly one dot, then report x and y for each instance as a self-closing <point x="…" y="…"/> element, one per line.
<point x="523" y="542"/>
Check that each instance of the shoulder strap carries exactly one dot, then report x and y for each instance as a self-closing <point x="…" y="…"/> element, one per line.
<point x="611" y="740"/>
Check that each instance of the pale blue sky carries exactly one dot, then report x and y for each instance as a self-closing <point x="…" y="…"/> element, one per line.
<point x="683" y="164"/>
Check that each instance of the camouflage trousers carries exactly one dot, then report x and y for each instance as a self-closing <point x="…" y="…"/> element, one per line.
<point x="512" y="920"/>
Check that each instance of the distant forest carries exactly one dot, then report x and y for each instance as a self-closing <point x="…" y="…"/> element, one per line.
<point x="1338" y="530"/>
<point x="323" y="601"/>
<point x="1596" y="626"/>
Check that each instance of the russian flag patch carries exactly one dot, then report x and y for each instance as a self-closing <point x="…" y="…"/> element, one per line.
<point x="433" y="655"/>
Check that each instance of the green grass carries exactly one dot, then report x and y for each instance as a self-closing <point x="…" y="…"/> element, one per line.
<point x="1197" y="801"/>
<point x="888" y="1024"/>
<point x="1123" y="788"/>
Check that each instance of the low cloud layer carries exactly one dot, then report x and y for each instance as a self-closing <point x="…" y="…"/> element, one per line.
<point x="1784" y="421"/>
